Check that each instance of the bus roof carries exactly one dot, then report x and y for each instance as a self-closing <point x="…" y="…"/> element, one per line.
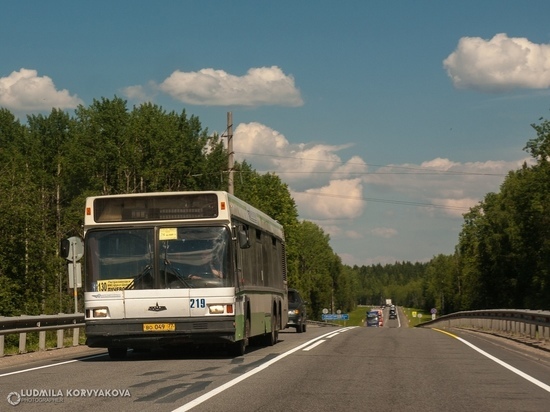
<point x="144" y="208"/>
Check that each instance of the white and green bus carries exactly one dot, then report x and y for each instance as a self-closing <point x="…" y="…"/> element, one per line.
<point x="175" y="268"/>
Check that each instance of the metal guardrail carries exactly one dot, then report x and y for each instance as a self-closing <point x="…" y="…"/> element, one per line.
<point x="532" y="324"/>
<point x="516" y="322"/>
<point x="25" y="324"/>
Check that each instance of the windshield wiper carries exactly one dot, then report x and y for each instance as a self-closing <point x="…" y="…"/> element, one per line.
<point x="175" y="271"/>
<point x="146" y="270"/>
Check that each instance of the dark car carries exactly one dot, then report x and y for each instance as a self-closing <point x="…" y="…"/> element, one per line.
<point x="297" y="315"/>
<point x="373" y="318"/>
<point x="393" y="314"/>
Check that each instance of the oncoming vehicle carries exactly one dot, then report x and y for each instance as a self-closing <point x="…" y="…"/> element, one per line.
<point x="372" y="318"/>
<point x="296" y="311"/>
<point x="175" y="268"/>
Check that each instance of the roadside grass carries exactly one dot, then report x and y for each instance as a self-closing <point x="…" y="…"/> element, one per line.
<point x="412" y="316"/>
<point x="356" y="317"/>
<point x="11" y="341"/>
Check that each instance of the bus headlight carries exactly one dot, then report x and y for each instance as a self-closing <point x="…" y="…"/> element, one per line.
<point x="100" y="313"/>
<point x="216" y="309"/>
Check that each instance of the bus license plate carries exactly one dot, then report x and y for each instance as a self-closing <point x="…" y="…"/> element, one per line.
<point x="158" y="327"/>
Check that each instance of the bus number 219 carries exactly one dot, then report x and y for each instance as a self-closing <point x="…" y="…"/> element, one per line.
<point x="198" y="303"/>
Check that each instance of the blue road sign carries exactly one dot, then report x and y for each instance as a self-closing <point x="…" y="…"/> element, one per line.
<point x="343" y="316"/>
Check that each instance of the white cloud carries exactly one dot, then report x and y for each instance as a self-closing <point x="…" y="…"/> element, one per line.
<point x="26" y="91"/>
<point x="453" y="186"/>
<point x="353" y="234"/>
<point x="141" y="94"/>
<point x="135" y="93"/>
<point x="498" y="64"/>
<point x="385" y="232"/>
<point x="259" y="86"/>
<point x="328" y="189"/>
<point x="352" y="260"/>
<point x="339" y="199"/>
<point x="365" y="206"/>
<point x="300" y="165"/>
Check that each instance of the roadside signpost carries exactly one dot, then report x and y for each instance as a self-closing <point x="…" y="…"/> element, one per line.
<point x="72" y="249"/>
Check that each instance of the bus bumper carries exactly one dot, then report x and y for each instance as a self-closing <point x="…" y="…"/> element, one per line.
<point x="132" y="334"/>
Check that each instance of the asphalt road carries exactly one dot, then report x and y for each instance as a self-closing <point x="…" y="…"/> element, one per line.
<point x="325" y="369"/>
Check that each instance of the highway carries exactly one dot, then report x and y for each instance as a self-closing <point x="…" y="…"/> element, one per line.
<point x="392" y="368"/>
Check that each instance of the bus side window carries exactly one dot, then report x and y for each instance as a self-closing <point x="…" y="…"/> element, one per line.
<point x="242" y="237"/>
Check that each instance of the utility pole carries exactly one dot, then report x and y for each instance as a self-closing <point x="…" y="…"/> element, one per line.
<point x="231" y="160"/>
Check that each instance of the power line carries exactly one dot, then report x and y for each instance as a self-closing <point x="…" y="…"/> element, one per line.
<point x="390" y="201"/>
<point x="420" y="169"/>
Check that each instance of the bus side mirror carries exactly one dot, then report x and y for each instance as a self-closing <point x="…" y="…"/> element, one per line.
<point x="71" y="249"/>
<point x="242" y="237"/>
<point x="64" y="248"/>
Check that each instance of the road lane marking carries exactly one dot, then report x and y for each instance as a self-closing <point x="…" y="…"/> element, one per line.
<point x="329" y="336"/>
<point x="314" y="345"/>
<point x="220" y="389"/>
<point x="50" y="366"/>
<point x="497" y="360"/>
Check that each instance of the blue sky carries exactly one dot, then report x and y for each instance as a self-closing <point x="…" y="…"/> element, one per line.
<point x="388" y="120"/>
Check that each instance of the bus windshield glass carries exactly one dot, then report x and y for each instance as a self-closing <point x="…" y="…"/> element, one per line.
<point x="158" y="258"/>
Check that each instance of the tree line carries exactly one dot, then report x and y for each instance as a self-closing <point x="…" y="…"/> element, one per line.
<point x="51" y="163"/>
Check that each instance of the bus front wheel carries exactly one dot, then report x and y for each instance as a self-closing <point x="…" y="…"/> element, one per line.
<point x="239" y="348"/>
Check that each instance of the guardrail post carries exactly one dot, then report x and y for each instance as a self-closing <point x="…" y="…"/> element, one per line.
<point x="1" y="346"/>
<point x="59" y="338"/>
<point x="22" y="342"/>
<point x="533" y="329"/>
<point x="42" y="340"/>
<point x="76" y="336"/>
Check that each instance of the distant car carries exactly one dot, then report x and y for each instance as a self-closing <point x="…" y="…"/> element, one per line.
<point x="373" y="318"/>
<point x="297" y="314"/>
<point x="393" y="314"/>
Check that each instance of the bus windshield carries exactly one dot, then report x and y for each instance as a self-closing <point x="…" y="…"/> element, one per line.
<point x="157" y="258"/>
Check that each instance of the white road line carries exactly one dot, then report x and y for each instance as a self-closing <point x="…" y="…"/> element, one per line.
<point x="313" y="346"/>
<point x="51" y="366"/>
<point x="220" y="389"/>
<point x="501" y="363"/>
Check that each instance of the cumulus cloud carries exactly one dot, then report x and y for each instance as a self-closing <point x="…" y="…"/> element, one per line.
<point x="336" y="193"/>
<point x="135" y="93"/>
<point x="301" y="165"/>
<point x="24" y="90"/>
<point x="259" y="86"/>
<point x="385" y="232"/>
<point x="452" y="187"/>
<point x="339" y="199"/>
<point x="499" y="64"/>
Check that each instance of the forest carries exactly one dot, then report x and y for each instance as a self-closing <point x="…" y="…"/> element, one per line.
<point x="51" y="163"/>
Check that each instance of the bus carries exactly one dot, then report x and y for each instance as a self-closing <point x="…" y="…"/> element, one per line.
<point x="169" y="269"/>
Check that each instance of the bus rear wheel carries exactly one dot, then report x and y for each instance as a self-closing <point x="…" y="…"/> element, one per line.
<point x="272" y="337"/>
